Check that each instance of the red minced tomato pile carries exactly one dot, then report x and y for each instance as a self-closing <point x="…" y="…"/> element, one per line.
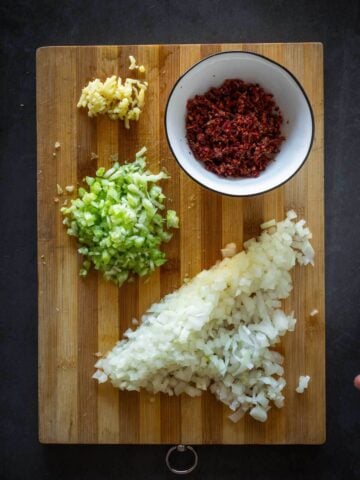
<point x="235" y="129"/>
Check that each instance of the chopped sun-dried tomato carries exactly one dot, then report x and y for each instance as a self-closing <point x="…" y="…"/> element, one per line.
<point x="234" y="129"/>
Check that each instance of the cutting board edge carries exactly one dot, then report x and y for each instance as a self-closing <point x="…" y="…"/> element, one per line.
<point x="44" y="48"/>
<point x="46" y="439"/>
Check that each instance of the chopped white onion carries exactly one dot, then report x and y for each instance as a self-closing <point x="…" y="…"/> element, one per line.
<point x="259" y="413"/>
<point x="303" y="383"/>
<point x="229" y="250"/>
<point x="236" y="416"/>
<point x="217" y="331"/>
<point x="291" y="215"/>
<point x="100" y="376"/>
<point x="268" y="224"/>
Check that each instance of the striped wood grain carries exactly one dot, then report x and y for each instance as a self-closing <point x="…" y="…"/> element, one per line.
<point x="78" y="318"/>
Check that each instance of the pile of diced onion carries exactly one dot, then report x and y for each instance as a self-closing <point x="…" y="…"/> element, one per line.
<point x="217" y="331"/>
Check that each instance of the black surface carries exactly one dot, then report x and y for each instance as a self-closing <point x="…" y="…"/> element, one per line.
<point x="29" y="24"/>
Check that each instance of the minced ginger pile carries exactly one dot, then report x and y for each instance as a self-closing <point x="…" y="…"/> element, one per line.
<point x="119" y="100"/>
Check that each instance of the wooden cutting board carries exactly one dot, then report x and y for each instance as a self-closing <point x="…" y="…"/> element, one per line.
<point x="78" y="318"/>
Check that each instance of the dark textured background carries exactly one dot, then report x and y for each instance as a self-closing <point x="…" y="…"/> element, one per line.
<point x="29" y="24"/>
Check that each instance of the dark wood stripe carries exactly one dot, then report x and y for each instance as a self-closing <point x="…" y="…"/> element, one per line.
<point x="63" y="129"/>
<point x="87" y="304"/>
<point x="129" y="402"/>
<point x="211" y="239"/>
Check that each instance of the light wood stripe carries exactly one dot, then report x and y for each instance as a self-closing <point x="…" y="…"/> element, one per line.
<point x="211" y="241"/>
<point x="314" y="284"/>
<point x="79" y="317"/>
<point x="273" y="207"/>
<point x="232" y="231"/>
<point x="127" y="296"/>
<point x="66" y="262"/>
<point x="169" y="68"/>
<point x="294" y="344"/>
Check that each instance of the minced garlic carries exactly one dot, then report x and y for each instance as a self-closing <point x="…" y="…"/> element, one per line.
<point x="120" y="101"/>
<point x="134" y="66"/>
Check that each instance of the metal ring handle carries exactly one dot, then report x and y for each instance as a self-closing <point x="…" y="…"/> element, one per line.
<point x="181" y="449"/>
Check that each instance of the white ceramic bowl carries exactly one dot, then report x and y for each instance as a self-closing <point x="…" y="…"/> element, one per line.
<point x="298" y="124"/>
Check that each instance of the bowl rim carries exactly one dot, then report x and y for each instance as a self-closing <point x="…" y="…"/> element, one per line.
<point x="271" y="61"/>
